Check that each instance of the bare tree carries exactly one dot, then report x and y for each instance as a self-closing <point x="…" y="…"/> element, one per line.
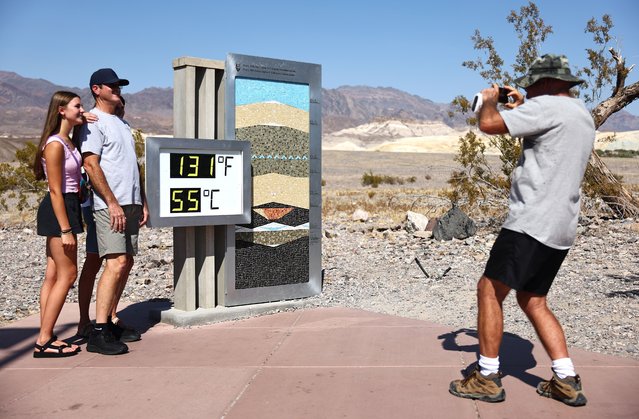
<point x="611" y="189"/>
<point x="476" y="181"/>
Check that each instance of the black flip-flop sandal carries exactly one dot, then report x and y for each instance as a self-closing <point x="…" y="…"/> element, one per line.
<point x="41" y="350"/>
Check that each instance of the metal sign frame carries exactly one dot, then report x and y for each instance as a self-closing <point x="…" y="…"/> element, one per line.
<point x="267" y="69"/>
<point x="155" y="189"/>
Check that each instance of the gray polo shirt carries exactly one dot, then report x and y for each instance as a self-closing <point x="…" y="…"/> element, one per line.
<point x="558" y="134"/>
<point x="110" y="138"/>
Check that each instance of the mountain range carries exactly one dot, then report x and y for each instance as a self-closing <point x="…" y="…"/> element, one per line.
<point x="23" y="104"/>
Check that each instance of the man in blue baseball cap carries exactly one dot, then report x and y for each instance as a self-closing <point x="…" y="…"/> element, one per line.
<point x="106" y="76"/>
<point x="119" y="206"/>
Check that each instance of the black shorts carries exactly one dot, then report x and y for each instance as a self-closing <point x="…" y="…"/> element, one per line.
<point x="47" y="222"/>
<point x="523" y="263"/>
<point x="91" y="240"/>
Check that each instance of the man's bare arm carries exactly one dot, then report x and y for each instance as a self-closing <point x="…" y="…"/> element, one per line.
<point x="101" y="186"/>
<point x="490" y="121"/>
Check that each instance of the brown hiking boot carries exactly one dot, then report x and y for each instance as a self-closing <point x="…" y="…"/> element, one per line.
<point x="476" y="386"/>
<point x="567" y="390"/>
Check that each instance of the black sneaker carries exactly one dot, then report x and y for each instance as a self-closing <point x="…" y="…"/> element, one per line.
<point x="123" y="333"/>
<point x="102" y="341"/>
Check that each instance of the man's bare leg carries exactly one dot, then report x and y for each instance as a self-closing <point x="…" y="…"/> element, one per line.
<point x="121" y="286"/>
<point x="490" y="317"/>
<point x="108" y="285"/>
<point x="545" y="323"/>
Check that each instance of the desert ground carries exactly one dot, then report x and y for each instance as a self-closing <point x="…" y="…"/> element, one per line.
<point x="344" y="169"/>
<point x="342" y="172"/>
<point x="430" y="169"/>
<point x="371" y="265"/>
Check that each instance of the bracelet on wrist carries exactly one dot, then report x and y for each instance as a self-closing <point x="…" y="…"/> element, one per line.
<point x="67" y="231"/>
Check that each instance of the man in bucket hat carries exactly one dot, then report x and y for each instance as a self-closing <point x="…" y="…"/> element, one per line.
<point x="558" y="135"/>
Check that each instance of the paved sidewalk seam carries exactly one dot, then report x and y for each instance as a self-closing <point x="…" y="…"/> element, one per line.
<point x="287" y="334"/>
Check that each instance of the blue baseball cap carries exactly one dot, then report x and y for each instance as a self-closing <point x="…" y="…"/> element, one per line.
<point x="106" y="76"/>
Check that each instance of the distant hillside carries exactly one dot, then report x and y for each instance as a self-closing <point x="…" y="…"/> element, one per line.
<point x="350" y="106"/>
<point x="23" y="103"/>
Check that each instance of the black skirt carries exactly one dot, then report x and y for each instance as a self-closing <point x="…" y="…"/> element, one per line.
<point x="47" y="222"/>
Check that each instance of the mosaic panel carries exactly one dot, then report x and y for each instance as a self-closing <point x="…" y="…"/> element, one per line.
<point x="274" y="248"/>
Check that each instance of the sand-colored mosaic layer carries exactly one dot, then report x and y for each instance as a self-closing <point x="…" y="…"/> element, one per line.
<point x="288" y="190"/>
<point x="271" y="113"/>
<point x="271" y="238"/>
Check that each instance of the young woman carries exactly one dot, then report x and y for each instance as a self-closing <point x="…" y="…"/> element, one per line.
<point x="58" y="160"/>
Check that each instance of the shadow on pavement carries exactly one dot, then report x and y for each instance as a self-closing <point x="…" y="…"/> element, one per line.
<point x="515" y="355"/>
<point x="16" y="341"/>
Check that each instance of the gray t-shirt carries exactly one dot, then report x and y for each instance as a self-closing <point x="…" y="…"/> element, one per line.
<point x="110" y="138"/>
<point x="559" y="134"/>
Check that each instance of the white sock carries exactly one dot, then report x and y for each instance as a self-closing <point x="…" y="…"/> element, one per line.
<point x="563" y="367"/>
<point x="488" y="366"/>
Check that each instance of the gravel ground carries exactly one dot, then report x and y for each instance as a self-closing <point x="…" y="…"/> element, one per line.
<point x="595" y="296"/>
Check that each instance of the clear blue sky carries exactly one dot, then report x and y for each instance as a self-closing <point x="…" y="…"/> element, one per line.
<point x="415" y="46"/>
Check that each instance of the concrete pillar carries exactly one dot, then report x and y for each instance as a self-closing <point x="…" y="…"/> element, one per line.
<point x="198" y="112"/>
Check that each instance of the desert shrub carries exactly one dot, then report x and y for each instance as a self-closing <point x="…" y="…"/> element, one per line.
<point x="390" y="180"/>
<point x="618" y="153"/>
<point x="369" y="179"/>
<point x="139" y="143"/>
<point x="385" y="204"/>
<point x="19" y="180"/>
<point x="593" y="187"/>
<point x="476" y="186"/>
<point x="373" y="180"/>
<point x="139" y="152"/>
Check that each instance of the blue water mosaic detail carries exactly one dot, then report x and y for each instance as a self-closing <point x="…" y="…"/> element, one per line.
<point x="249" y="91"/>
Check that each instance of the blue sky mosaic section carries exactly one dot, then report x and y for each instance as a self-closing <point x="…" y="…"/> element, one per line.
<point x="249" y="91"/>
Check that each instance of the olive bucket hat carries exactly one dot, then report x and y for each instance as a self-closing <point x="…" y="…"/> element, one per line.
<point x="548" y="66"/>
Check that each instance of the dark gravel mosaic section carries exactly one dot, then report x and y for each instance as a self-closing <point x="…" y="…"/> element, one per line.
<point x="294" y="218"/>
<point x="277" y="149"/>
<point x="262" y="266"/>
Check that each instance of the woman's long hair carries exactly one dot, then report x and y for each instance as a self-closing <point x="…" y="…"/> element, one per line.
<point x="51" y="127"/>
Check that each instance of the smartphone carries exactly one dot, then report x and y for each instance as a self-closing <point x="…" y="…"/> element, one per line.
<point x="503" y="95"/>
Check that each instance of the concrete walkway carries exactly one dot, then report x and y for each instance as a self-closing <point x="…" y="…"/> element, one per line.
<point x="313" y="363"/>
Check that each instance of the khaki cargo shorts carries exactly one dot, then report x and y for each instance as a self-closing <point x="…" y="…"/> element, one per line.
<point x="112" y="242"/>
